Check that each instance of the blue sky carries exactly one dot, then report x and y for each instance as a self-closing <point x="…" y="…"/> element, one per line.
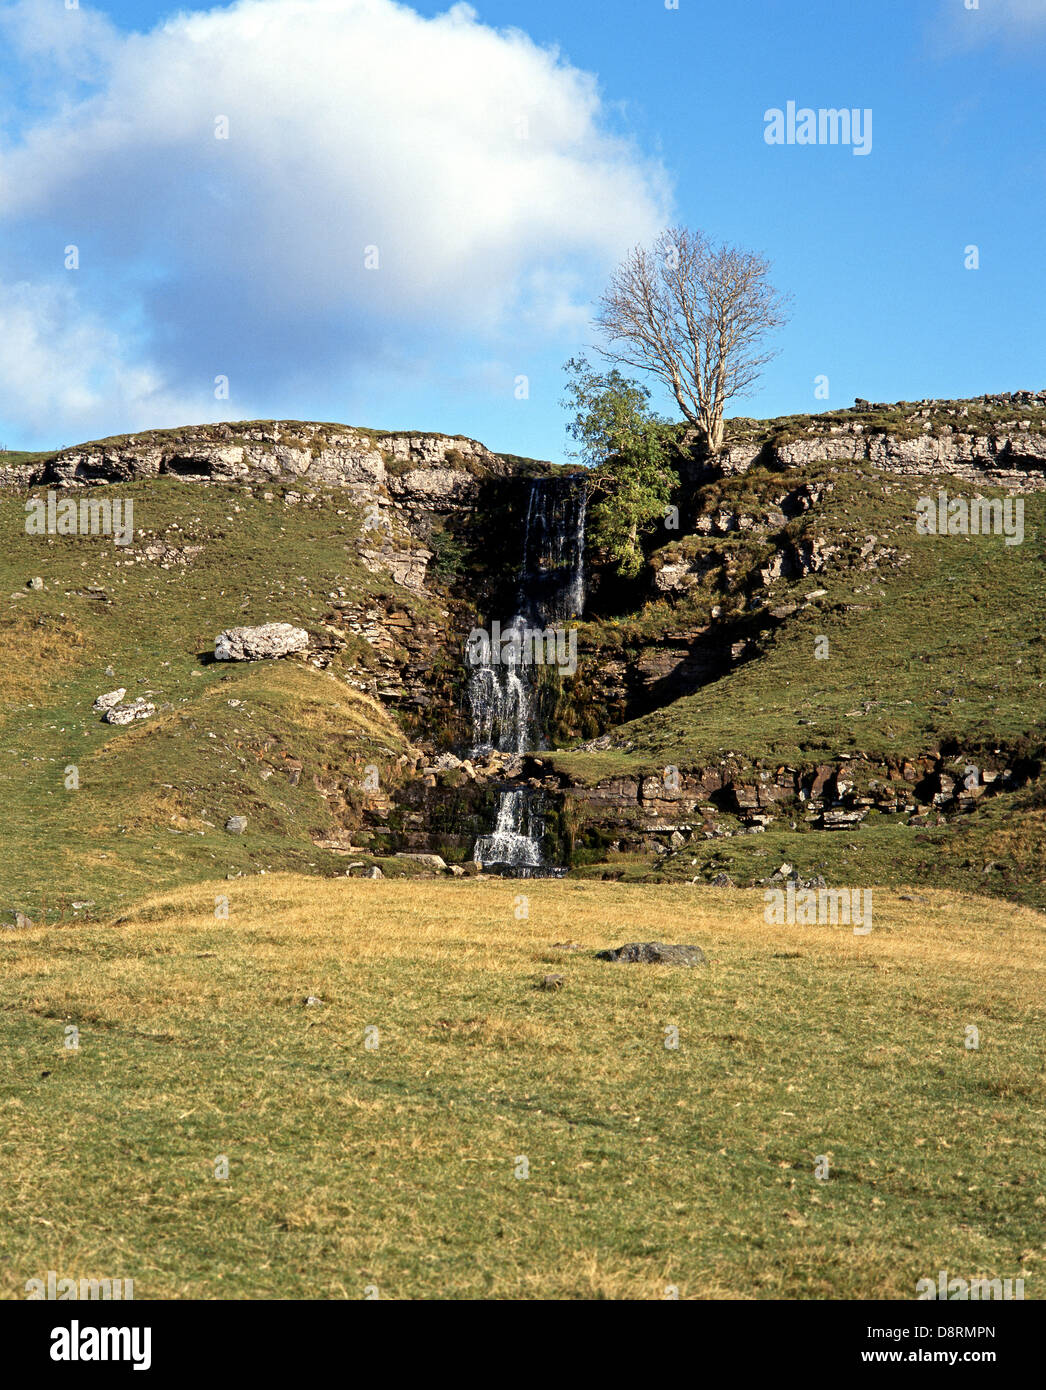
<point x="501" y="159"/>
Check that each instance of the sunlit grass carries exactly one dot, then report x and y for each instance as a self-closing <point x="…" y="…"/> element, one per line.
<point x="395" y="1166"/>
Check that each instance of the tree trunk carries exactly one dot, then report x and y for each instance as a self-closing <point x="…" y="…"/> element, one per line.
<point x="711" y="426"/>
<point x="715" y="435"/>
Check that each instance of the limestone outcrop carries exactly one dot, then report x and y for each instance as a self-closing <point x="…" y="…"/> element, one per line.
<point x="1013" y="455"/>
<point x="262" y="643"/>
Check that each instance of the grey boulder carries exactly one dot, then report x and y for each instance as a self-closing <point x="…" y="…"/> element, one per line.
<point x="259" y="643"/>
<point x="114" y="697"/>
<point x="127" y="714"/>
<point x="655" y="953"/>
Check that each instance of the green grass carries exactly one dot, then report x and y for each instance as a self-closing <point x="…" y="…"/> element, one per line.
<point x="1000" y="849"/>
<point x="938" y="648"/>
<point x="12" y="458"/>
<point x="946" y="648"/>
<point x="901" y="420"/>
<point x="395" y="1167"/>
<point x="146" y="792"/>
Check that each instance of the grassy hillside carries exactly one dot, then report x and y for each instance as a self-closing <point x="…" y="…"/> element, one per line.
<point x="935" y="645"/>
<point x="999" y="849"/>
<point x="395" y="1166"/>
<point x="153" y="797"/>
<point x="941" y="641"/>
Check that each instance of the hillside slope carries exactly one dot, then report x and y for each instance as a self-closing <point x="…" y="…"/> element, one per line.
<point x="934" y="664"/>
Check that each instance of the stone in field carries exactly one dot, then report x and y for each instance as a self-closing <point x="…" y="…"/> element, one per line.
<point x="114" y="697"/>
<point x="261" y="643"/>
<point x="655" y="953"/>
<point x="127" y="714"/>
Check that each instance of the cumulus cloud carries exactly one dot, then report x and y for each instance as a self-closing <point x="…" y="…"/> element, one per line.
<point x="481" y="167"/>
<point x="59" y="364"/>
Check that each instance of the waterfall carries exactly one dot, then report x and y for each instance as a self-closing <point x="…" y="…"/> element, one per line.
<point x="552" y="579"/>
<point x="516" y="841"/>
<point x="550" y="590"/>
<point x="501" y="696"/>
<point x="501" y="687"/>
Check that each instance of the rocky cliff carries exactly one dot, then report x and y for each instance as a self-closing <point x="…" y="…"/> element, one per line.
<point x="403" y="482"/>
<point x="998" y="440"/>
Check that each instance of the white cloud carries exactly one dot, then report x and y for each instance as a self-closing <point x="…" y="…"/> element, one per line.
<point x="59" y="364"/>
<point x="479" y="164"/>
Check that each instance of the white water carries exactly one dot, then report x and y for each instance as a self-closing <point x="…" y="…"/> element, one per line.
<point x="516" y="841"/>
<point x="551" y="590"/>
<point x="501" y="693"/>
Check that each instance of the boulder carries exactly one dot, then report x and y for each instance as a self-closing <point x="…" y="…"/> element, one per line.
<point x="127" y="714"/>
<point x="446" y="762"/>
<point x="261" y="643"/>
<point x="428" y="861"/>
<point x="655" y="953"/>
<point x="105" y="702"/>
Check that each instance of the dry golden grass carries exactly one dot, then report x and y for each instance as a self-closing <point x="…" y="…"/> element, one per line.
<point x="38" y="653"/>
<point x="649" y="1167"/>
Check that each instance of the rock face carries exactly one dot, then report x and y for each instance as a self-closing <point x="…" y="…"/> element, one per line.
<point x="1012" y="456"/>
<point x="261" y="643"/>
<point x="416" y="472"/>
<point x="655" y="953"/>
<point x="405" y="484"/>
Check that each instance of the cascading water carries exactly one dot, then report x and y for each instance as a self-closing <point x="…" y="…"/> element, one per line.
<point x="516" y="841"/>
<point x="551" y="590"/>
<point x="501" y="695"/>
<point x="552" y="580"/>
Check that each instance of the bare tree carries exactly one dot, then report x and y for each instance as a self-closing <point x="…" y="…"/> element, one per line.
<point x="694" y="315"/>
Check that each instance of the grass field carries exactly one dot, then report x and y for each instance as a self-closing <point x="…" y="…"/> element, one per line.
<point x="943" y="652"/>
<point x="394" y="1167"/>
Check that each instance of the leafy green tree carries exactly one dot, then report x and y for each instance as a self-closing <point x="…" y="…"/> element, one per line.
<point x="627" y="447"/>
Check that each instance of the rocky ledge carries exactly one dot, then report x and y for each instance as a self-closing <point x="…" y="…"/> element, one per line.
<point x="998" y="440"/>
